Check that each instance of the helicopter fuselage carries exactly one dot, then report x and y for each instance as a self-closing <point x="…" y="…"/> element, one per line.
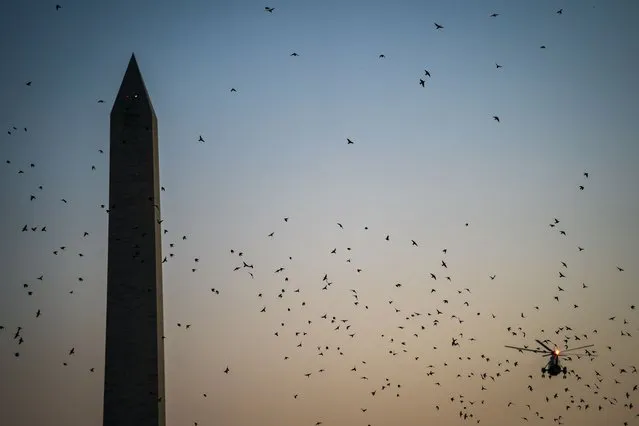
<point x="553" y="368"/>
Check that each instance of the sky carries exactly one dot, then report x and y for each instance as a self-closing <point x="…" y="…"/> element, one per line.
<point x="425" y="161"/>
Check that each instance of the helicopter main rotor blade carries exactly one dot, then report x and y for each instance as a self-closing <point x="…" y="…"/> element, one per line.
<point x="574" y="349"/>
<point x="526" y="349"/>
<point x="542" y="344"/>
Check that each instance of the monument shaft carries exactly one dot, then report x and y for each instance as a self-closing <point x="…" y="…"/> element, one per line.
<point x="134" y="360"/>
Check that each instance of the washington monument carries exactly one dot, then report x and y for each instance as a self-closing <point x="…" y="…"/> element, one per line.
<point x="134" y="361"/>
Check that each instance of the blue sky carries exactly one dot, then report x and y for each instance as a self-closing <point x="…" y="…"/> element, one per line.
<point x="425" y="161"/>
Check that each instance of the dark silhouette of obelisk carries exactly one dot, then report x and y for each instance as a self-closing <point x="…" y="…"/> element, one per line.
<point x="134" y="361"/>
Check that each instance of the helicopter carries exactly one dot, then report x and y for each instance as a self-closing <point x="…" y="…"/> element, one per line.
<point x="553" y="367"/>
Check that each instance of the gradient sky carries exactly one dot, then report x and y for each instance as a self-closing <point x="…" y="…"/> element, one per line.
<point x="425" y="161"/>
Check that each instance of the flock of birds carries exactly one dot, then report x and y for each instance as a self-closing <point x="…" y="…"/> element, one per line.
<point x="422" y="81"/>
<point x="415" y="324"/>
<point x="583" y="392"/>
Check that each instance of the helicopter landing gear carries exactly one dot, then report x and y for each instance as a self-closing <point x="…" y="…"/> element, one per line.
<point x="543" y="370"/>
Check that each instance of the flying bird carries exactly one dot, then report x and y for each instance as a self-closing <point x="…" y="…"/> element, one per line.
<point x="496" y="118"/>
<point x="437" y="26"/>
